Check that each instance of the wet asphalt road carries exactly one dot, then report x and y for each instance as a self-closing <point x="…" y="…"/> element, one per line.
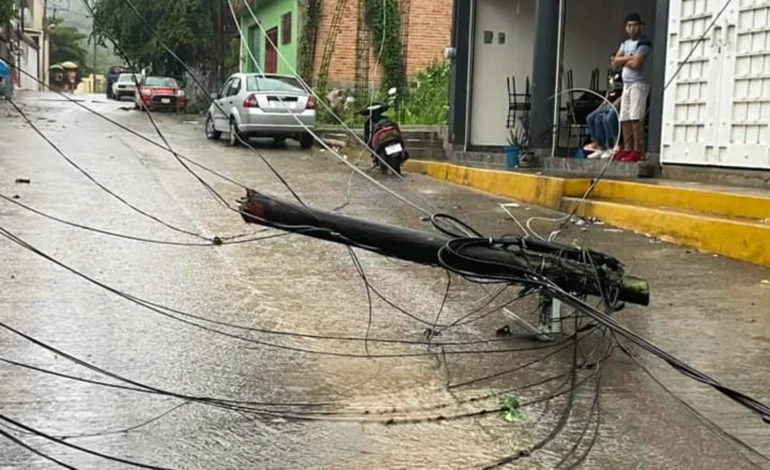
<point x="712" y="312"/>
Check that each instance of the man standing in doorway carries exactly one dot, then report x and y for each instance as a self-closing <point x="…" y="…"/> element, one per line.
<point x="631" y="57"/>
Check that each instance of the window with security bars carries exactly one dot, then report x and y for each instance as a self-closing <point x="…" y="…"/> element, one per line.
<point x="286" y="29"/>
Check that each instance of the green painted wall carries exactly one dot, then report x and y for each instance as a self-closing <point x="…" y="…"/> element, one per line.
<point x="269" y="13"/>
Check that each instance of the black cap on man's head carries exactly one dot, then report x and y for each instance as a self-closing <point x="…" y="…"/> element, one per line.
<point x="634" y="18"/>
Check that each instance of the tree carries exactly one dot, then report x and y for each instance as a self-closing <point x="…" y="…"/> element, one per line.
<point x="67" y="44"/>
<point x="7" y="12"/>
<point x="192" y="29"/>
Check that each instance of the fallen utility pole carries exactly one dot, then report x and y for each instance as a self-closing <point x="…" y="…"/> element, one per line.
<point x="564" y="265"/>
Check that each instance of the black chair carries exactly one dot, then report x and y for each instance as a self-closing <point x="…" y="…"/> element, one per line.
<point x="576" y="122"/>
<point x="518" y="103"/>
<point x="595" y="86"/>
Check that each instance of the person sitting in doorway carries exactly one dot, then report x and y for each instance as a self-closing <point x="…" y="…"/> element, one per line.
<point x="603" y="123"/>
<point x="631" y="58"/>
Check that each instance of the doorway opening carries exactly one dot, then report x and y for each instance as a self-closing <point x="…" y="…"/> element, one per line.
<point x="271" y="54"/>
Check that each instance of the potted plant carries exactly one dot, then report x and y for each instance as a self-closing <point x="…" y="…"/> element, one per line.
<point x="517" y="142"/>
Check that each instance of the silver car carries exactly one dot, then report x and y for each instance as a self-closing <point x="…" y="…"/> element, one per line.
<point x="125" y="85"/>
<point x="256" y="105"/>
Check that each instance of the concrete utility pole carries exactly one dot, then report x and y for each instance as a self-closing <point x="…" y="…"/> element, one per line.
<point x="562" y="264"/>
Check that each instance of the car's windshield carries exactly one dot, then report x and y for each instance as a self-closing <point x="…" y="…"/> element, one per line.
<point x="127" y="77"/>
<point x="160" y="81"/>
<point x="284" y="84"/>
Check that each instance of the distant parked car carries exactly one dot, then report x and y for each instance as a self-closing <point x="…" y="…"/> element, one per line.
<point x="125" y="85"/>
<point x="255" y="105"/>
<point x="160" y="93"/>
<point x="112" y="76"/>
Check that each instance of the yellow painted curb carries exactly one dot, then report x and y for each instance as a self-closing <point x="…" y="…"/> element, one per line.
<point x="541" y="190"/>
<point x="741" y="240"/>
<point x="699" y="226"/>
<point x="689" y="199"/>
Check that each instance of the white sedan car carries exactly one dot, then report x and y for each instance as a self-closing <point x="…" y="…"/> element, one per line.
<point x="256" y="105"/>
<point x="125" y="85"/>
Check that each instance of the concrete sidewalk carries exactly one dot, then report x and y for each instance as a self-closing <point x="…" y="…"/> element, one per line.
<point x="721" y="220"/>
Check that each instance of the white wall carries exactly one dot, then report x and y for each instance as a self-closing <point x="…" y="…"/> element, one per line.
<point x="594" y="28"/>
<point x="492" y="63"/>
<point x="29" y="63"/>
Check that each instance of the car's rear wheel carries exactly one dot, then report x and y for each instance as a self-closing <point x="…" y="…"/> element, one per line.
<point x="306" y="140"/>
<point x="211" y="132"/>
<point x="235" y="137"/>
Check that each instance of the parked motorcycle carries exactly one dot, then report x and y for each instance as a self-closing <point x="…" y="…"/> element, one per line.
<point x="383" y="136"/>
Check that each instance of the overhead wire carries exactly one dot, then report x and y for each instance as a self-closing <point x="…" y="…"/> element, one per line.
<point x="326" y="146"/>
<point x="205" y="168"/>
<point x="24" y="445"/>
<point x="595" y="181"/>
<point x="187" y="69"/>
<point x="578" y="300"/>
<point x="165" y="311"/>
<point x="710" y="425"/>
<point x="288" y="410"/>
<point x="214" y="242"/>
<point x="328" y="108"/>
<point x="533" y="278"/>
<point x="107" y="433"/>
<point x="95" y="181"/>
<point x="79" y="448"/>
<point x="216" y="174"/>
<point x="191" y="73"/>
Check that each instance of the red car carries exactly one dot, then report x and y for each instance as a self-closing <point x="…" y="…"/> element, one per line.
<point x="160" y="93"/>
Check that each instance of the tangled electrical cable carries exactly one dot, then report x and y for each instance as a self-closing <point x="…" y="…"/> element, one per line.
<point x="532" y="277"/>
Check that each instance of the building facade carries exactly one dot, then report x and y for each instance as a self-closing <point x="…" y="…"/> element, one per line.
<point x="340" y="53"/>
<point x="709" y="69"/>
<point x="36" y="59"/>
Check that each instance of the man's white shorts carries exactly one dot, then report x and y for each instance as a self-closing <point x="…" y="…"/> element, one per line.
<point x="633" y="103"/>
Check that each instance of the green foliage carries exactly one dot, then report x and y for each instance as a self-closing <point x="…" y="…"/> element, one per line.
<point x="232" y="59"/>
<point x="510" y="409"/>
<point x="517" y="137"/>
<point x="189" y="27"/>
<point x="424" y="103"/>
<point x="67" y="45"/>
<point x="307" y="42"/>
<point x="384" y="22"/>
<point x="427" y="99"/>
<point x="7" y="12"/>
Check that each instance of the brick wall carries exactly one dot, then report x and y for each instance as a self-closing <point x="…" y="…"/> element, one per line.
<point x="430" y="29"/>
<point x="430" y="24"/>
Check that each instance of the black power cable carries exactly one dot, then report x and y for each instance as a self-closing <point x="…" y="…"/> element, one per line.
<point x="709" y="424"/>
<point x="534" y="279"/>
<point x="79" y="448"/>
<point x="164" y="311"/>
<point x="24" y="445"/>
<point x="215" y="242"/>
<point x="96" y="182"/>
<point x="107" y="433"/>
<point x="187" y="69"/>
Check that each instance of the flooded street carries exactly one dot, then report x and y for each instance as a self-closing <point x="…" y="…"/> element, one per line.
<point x="285" y="323"/>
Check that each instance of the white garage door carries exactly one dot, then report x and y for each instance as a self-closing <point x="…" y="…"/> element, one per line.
<point x="744" y="128"/>
<point x="717" y="108"/>
<point x="29" y="64"/>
